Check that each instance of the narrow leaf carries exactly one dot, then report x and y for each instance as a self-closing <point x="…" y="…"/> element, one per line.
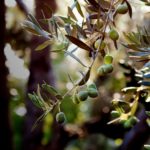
<point x="33" y="19"/>
<point x="71" y="14"/>
<point x="129" y="8"/>
<point x="76" y="58"/>
<point x="85" y="78"/>
<point x="70" y="78"/>
<point x="43" y="45"/>
<point x="79" y="9"/>
<point x="79" y="43"/>
<point x="49" y="89"/>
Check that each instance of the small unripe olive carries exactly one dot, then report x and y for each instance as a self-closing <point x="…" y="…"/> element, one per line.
<point x="130" y="122"/>
<point x="97" y="43"/>
<point x="127" y="124"/>
<point x="92" y="92"/>
<point x="115" y="114"/>
<point x="75" y="99"/>
<point x="104" y="69"/>
<point x="108" y="68"/>
<point x="82" y="95"/>
<point x="122" y="8"/>
<point x="122" y="121"/>
<point x="108" y="59"/>
<point x="113" y="34"/>
<point x="92" y="85"/>
<point x="60" y="117"/>
<point x="100" y="71"/>
<point x="133" y="120"/>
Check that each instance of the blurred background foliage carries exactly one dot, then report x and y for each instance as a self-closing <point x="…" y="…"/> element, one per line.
<point x="17" y="52"/>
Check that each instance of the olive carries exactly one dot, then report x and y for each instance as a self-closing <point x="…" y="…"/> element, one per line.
<point x="133" y="120"/>
<point x="60" y="117"/>
<point x="100" y="71"/>
<point x="92" y="92"/>
<point x="92" y="85"/>
<point x="127" y="124"/>
<point x="122" y="8"/>
<point x="75" y="99"/>
<point x="97" y="43"/>
<point x="108" y="59"/>
<point x="115" y="114"/>
<point x="108" y="68"/>
<point x="122" y="121"/>
<point x="82" y="95"/>
<point x="130" y="122"/>
<point x="113" y="34"/>
<point x="104" y="69"/>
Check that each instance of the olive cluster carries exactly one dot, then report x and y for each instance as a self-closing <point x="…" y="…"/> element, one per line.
<point x="100" y="45"/>
<point x="90" y="91"/>
<point x="127" y="123"/>
<point x="107" y="67"/>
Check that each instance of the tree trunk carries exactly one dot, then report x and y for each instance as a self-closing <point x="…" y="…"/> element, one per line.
<point x="5" y="130"/>
<point x="40" y="70"/>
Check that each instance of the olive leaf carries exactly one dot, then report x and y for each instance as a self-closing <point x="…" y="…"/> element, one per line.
<point x="79" y="9"/>
<point x="71" y="14"/>
<point x="34" y="29"/>
<point x="76" y="58"/>
<point x="129" y="8"/>
<point x="85" y="78"/>
<point x="44" y="45"/>
<point x="51" y="90"/>
<point x="33" y="20"/>
<point x="37" y="122"/>
<point x="129" y="89"/>
<point x="79" y="43"/>
<point x="37" y="101"/>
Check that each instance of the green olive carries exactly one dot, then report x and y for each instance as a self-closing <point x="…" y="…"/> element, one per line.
<point x="97" y="43"/>
<point x="113" y="34"/>
<point x="100" y="71"/>
<point x="122" y="121"/>
<point x="108" y="68"/>
<point x="130" y="122"/>
<point x="127" y="124"/>
<point x="60" y="117"/>
<point x="108" y="59"/>
<point x="104" y="69"/>
<point x="115" y="114"/>
<point x="82" y="95"/>
<point x="133" y="120"/>
<point x="75" y="99"/>
<point x="122" y="8"/>
<point x="92" y="85"/>
<point x="92" y="92"/>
